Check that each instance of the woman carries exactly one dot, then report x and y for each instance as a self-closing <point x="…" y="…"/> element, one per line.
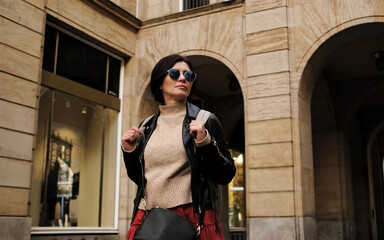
<point x="183" y="159"/>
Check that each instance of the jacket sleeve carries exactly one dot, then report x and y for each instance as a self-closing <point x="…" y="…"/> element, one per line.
<point x="132" y="164"/>
<point x="217" y="162"/>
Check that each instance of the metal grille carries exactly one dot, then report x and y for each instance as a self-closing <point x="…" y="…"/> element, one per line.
<point x="238" y="235"/>
<point x="189" y="4"/>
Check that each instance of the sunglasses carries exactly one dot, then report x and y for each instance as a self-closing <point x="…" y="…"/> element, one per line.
<point x="175" y="74"/>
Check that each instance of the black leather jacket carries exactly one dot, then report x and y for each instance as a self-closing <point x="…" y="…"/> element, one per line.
<point x="210" y="165"/>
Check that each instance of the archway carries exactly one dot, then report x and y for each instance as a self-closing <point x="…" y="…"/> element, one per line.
<point x="344" y="87"/>
<point x="375" y="158"/>
<point x="218" y="91"/>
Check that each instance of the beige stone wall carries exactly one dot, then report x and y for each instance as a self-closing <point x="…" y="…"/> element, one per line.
<point x="311" y="23"/>
<point x="218" y="35"/>
<point x="22" y="25"/>
<point x="128" y="5"/>
<point x="157" y="8"/>
<point x="21" y="35"/>
<point x="151" y="9"/>
<point x="269" y="150"/>
<point x="267" y="44"/>
<point x="281" y="36"/>
<point x="94" y="22"/>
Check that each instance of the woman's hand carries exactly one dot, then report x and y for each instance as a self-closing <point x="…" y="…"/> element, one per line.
<point x="197" y="130"/>
<point x="129" y="138"/>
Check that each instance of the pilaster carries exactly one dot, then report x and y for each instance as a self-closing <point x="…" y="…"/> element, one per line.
<point x="271" y="174"/>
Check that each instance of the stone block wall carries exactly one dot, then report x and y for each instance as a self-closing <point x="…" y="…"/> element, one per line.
<point x="20" y="66"/>
<point x="267" y="44"/>
<point x="270" y="176"/>
<point x="22" y="26"/>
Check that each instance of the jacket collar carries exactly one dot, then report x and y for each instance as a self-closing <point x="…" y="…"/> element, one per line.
<point x="192" y="110"/>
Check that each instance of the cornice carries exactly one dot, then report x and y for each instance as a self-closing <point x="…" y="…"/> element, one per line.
<point x="195" y="12"/>
<point x="118" y="12"/>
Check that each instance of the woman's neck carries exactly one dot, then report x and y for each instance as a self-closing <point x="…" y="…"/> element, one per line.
<point x="174" y="102"/>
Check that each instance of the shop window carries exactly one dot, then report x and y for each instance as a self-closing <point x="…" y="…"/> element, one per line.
<point x="236" y="193"/>
<point x="76" y="157"/>
<point x="189" y="4"/>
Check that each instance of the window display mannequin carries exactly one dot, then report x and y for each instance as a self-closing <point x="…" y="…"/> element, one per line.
<point x="64" y="187"/>
<point x="65" y="174"/>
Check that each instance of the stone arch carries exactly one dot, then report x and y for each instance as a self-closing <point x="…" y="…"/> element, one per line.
<point x="327" y="45"/>
<point x="147" y="103"/>
<point x="312" y="65"/>
<point x="221" y="58"/>
<point x="231" y="117"/>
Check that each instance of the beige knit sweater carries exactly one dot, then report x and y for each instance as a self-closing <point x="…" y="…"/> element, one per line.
<point x="167" y="169"/>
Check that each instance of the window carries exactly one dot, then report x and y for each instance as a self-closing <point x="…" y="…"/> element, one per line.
<point x="189" y="4"/>
<point x="236" y="193"/>
<point x="77" y="153"/>
<point x="75" y="60"/>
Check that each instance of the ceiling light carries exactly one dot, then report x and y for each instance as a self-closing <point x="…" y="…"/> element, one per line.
<point x="67" y="103"/>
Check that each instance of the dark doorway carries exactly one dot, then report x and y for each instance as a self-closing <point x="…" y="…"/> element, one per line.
<point x="347" y="106"/>
<point x="218" y="91"/>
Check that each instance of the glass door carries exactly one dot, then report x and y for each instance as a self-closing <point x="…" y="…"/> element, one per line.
<point x="74" y="175"/>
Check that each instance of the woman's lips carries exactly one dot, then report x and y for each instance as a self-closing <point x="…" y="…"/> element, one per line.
<point x="181" y="86"/>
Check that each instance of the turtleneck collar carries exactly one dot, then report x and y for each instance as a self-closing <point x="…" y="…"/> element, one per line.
<point x="166" y="110"/>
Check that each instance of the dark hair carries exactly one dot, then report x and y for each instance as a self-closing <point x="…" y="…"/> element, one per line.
<point x="160" y="71"/>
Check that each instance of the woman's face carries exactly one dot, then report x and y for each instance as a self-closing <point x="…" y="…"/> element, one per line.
<point x="176" y="91"/>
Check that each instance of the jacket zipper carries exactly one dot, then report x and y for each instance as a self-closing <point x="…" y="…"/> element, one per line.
<point x="218" y="149"/>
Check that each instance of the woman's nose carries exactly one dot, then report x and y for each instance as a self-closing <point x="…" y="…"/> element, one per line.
<point x="181" y="78"/>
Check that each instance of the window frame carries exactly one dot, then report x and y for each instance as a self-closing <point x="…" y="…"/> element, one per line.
<point x="59" y="83"/>
<point x="87" y="42"/>
<point x="181" y="6"/>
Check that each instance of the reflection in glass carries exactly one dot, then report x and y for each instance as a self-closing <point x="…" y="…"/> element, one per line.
<point x="49" y="48"/>
<point x="40" y="157"/>
<point x="71" y="58"/>
<point x="236" y="193"/>
<point x="81" y="63"/>
<point x="75" y="163"/>
<point x="114" y="76"/>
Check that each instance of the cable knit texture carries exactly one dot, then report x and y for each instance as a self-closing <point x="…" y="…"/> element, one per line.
<point x="167" y="169"/>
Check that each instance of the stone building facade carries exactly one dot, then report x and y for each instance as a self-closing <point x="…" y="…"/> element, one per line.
<point x="297" y="84"/>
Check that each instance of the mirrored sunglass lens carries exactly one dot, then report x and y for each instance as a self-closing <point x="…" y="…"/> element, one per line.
<point x="174" y="74"/>
<point x="190" y="76"/>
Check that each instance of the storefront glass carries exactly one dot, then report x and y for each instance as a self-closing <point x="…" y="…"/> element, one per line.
<point x="75" y="163"/>
<point x="76" y="156"/>
<point x="236" y="194"/>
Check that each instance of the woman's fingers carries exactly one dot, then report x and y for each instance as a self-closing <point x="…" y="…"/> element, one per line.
<point x="131" y="135"/>
<point x="197" y="130"/>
